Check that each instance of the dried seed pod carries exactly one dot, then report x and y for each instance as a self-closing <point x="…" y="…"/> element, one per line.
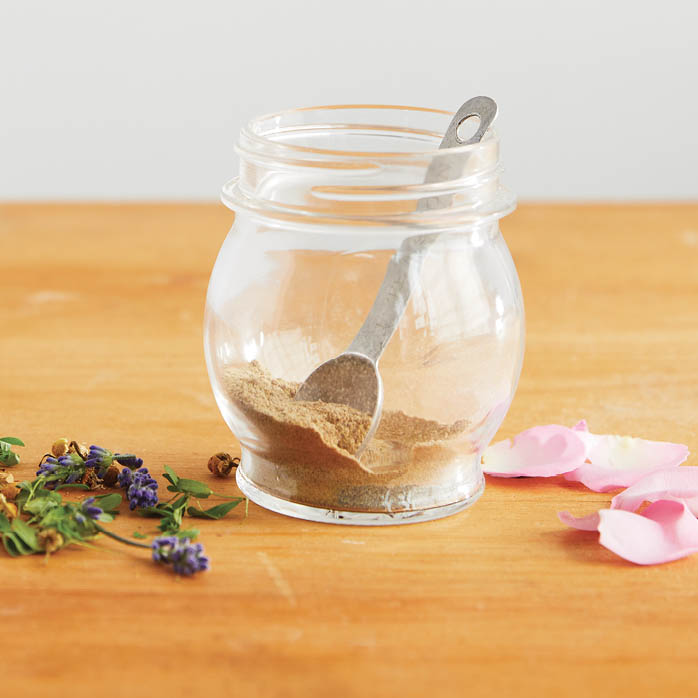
<point x="80" y="449"/>
<point x="6" y="478"/>
<point x="50" y="540"/>
<point x="90" y="479"/>
<point x="9" y="491"/>
<point x="60" y="447"/>
<point x="111" y="476"/>
<point x="221" y="464"/>
<point x="7" y="508"/>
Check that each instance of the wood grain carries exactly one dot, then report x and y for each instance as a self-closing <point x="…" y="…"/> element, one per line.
<point x="102" y="312"/>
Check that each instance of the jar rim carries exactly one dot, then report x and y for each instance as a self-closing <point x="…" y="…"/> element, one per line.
<point x="253" y="132"/>
<point x="372" y="163"/>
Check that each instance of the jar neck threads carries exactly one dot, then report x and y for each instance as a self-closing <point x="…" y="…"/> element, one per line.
<point x="364" y="164"/>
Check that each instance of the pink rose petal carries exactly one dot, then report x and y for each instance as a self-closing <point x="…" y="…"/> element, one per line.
<point x="665" y="531"/>
<point x="537" y="452"/>
<point x="583" y="523"/>
<point x="677" y="483"/>
<point x="621" y="461"/>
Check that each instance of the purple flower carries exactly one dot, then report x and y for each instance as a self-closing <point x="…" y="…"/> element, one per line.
<point x="90" y="510"/>
<point x="64" y="470"/>
<point x="125" y="478"/>
<point x="129" y="460"/>
<point x="163" y="547"/>
<point x="99" y="457"/>
<point x="47" y="466"/>
<point x="189" y="558"/>
<point x="70" y="459"/>
<point x="142" y="489"/>
<point x="185" y="557"/>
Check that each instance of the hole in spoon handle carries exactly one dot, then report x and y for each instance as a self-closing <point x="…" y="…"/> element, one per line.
<point x="484" y="108"/>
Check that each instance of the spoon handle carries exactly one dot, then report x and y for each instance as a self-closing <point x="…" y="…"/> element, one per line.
<point x="405" y="266"/>
<point x="401" y="277"/>
<point x="484" y="108"/>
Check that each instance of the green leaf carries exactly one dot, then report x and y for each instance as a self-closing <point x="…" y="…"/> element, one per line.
<point x="198" y="489"/>
<point x="73" y="486"/>
<point x="7" y="456"/>
<point x="168" y="525"/>
<point x="26" y="533"/>
<point x="171" y="476"/>
<point x="5" y="526"/>
<point x="55" y="515"/>
<point x="172" y="523"/>
<point x="180" y="503"/>
<point x="110" y="503"/>
<point x="170" y="513"/>
<point x="151" y="512"/>
<point x="12" y="440"/>
<point x="29" y="491"/>
<point x="186" y="486"/>
<point x="190" y="533"/>
<point x="138" y="534"/>
<point x="15" y="546"/>
<point x="41" y="506"/>
<point x="217" y="512"/>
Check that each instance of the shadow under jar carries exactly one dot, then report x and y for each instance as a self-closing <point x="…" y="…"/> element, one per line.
<point x="325" y="197"/>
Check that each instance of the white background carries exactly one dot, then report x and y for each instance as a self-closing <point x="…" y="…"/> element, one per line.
<point x="143" y="99"/>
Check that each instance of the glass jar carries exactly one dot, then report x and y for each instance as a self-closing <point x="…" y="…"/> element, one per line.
<point x="324" y="199"/>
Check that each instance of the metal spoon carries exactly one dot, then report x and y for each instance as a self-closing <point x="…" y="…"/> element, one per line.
<point x="352" y="378"/>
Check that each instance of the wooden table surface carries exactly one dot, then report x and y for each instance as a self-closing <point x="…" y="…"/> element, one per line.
<point x="101" y="341"/>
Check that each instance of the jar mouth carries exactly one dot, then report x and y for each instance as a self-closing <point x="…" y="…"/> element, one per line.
<point x="280" y="129"/>
<point x="366" y="163"/>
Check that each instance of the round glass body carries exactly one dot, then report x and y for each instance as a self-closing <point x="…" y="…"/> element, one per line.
<point x="325" y="198"/>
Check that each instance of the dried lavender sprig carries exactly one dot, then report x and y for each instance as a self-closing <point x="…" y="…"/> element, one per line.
<point x="90" y="509"/>
<point x="99" y="457"/>
<point x="129" y="460"/>
<point x="185" y="557"/>
<point x="141" y="488"/>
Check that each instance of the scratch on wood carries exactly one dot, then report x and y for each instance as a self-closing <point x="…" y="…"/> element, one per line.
<point x="100" y="378"/>
<point x="11" y="611"/>
<point x="280" y="582"/>
<point x="690" y="238"/>
<point x="204" y="399"/>
<point x="41" y="297"/>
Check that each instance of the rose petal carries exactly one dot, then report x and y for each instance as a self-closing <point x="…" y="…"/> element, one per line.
<point x="537" y="452"/>
<point x="678" y="483"/>
<point x="581" y="425"/>
<point x="621" y="461"/>
<point x="665" y="531"/>
<point x="583" y="523"/>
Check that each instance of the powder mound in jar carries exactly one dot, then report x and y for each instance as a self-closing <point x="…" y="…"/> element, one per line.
<point x="260" y="395"/>
<point x="323" y="434"/>
<point x="397" y="426"/>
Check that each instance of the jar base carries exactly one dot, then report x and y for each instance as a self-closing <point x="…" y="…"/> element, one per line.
<point x="349" y="518"/>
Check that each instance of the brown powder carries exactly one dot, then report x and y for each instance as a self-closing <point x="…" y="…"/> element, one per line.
<point x="309" y="446"/>
<point x="321" y="433"/>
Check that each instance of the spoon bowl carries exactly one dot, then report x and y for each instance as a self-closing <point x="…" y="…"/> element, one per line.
<point x="349" y="379"/>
